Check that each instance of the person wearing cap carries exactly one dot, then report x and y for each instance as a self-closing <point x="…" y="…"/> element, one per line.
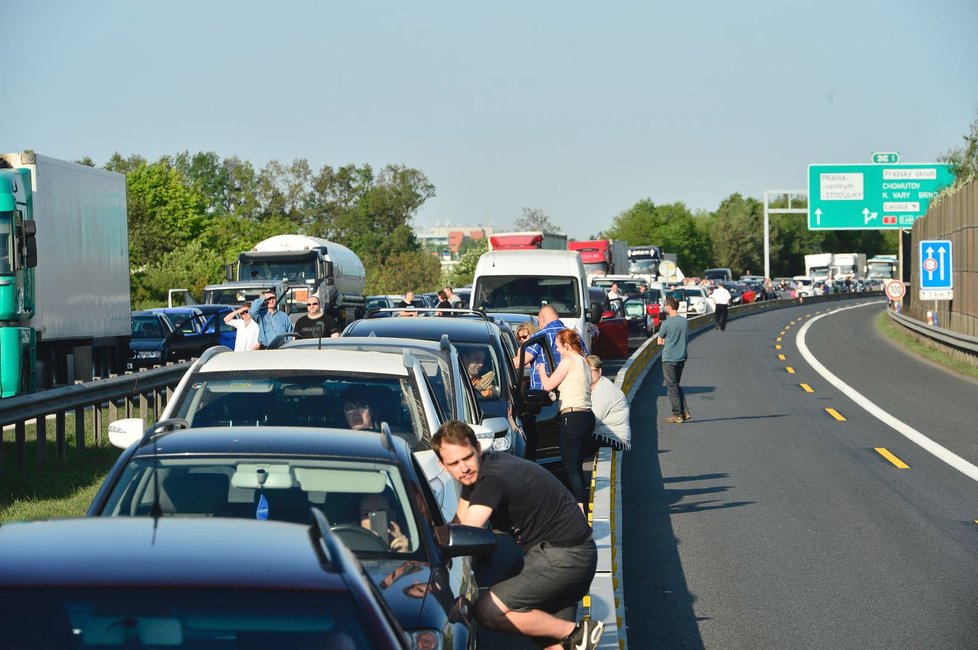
<point x="271" y="322"/>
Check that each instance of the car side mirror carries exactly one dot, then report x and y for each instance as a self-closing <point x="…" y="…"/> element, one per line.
<point x="123" y="433"/>
<point x="459" y="539"/>
<point x="596" y="312"/>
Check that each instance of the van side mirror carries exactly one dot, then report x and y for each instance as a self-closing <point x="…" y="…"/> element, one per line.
<point x="596" y="312"/>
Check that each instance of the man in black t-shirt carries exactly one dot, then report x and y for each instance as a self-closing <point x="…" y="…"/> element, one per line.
<point x="559" y="555"/>
<point x="316" y="324"/>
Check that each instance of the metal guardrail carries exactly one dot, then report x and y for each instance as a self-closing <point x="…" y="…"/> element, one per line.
<point x="142" y="391"/>
<point x="948" y="337"/>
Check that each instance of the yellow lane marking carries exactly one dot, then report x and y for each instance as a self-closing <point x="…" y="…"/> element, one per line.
<point x="778" y="339"/>
<point x="838" y="416"/>
<point x="807" y="388"/>
<point x="777" y="347"/>
<point x="781" y="357"/>
<point x="893" y="459"/>
<point x="781" y="333"/>
<point x="790" y="370"/>
<point x="792" y="323"/>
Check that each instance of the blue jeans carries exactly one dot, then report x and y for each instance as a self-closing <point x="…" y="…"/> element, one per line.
<point x="673" y="372"/>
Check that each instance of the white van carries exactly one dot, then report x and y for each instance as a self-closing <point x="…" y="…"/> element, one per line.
<point x="521" y="282"/>
<point x="805" y="285"/>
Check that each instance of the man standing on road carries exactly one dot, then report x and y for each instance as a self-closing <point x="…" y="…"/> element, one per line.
<point x="317" y="324"/>
<point x="559" y="554"/>
<point x="721" y="297"/>
<point x="672" y="338"/>
<point x="454" y="300"/>
<point x="271" y="322"/>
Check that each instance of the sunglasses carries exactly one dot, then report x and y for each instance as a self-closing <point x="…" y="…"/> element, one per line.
<point x="313" y="304"/>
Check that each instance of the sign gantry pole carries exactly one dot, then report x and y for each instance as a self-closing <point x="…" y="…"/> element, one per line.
<point x="790" y="194"/>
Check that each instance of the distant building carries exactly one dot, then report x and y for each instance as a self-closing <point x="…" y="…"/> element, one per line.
<point x="448" y="243"/>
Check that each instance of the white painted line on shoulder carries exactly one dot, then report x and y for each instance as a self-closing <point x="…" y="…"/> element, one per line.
<point x="904" y="429"/>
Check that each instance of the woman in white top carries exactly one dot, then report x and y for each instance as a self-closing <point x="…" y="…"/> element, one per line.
<point x="572" y="377"/>
<point x="247" y="336"/>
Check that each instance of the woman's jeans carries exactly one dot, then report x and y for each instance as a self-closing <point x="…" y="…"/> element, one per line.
<point x="576" y="430"/>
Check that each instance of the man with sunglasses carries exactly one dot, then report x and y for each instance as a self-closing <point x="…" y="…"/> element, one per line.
<point x="317" y="324"/>
<point x="271" y="322"/>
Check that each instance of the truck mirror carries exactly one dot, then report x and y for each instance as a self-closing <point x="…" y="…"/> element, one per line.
<point x="596" y="313"/>
<point x="330" y="281"/>
<point x="229" y="272"/>
<point x="30" y="252"/>
<point x="29" y="228"/>
<point x="329" y="270"/>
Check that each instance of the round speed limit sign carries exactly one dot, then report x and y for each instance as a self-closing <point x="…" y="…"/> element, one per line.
<point x="894" y="290"/>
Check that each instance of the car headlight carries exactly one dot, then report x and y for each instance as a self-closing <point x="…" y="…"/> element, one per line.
<point x="502" y="444"/>
<point x="425" y="639"/>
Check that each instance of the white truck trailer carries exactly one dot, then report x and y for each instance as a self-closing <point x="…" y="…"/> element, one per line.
<point x="64" y="281"/>
<point x="849" y="266"/>
<point x="818" y="266"/>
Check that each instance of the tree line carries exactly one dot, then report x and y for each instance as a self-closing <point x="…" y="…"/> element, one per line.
<point x="190" y="215"/>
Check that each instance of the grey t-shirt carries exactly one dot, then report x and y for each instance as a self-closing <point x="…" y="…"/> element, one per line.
<point x="674" y="331"/>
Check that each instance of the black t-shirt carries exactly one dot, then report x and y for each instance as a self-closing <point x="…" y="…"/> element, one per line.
<point x="314" y="328"/>
<point x="528" y="501"/>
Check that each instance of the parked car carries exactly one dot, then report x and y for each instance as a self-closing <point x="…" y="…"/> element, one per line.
<point x="150" y="341"/>
<point x="473" y="335"/>
<point x="151" y="582"/>
<point x="379" y="302"/>
<point x="740" y="293"/>
<point x="447" y="378"/>
<point x="194" y="330"/>
<point x="369" y="486"/>
<point x="305" y="388"/>
<point x="613" y="328"/>
<point x="693" y="301"/>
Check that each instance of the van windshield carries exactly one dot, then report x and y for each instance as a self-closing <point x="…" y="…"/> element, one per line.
<point x="519" y="294"/>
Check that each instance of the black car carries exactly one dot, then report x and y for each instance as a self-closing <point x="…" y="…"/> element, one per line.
<point x="187" y="583"/>
<point x="472" y="334"/>
<point x="150" y="341"/>
<point x="369" y="487"/>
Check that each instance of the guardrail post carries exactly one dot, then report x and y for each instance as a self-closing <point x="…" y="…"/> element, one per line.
<point x="59" y="434"/>
<point x="20" y="441"/>
<point x="79" y="427"/>
<point x="97" y="422"/>
<point x="41" y="430"/>
<point x="143" y="406"/>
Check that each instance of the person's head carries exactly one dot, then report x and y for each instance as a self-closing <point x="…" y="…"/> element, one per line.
<point x="449" y="292"/>
<point x="246" y="306"/>
<point x="473" y="359"/>
<point x="596" y="364"/>
<point x="643" y="287"/>
<point x="525" y="330"/>
<point x="458" y="451"/>
<point x="409" y="297"/>
<point x="358" y="408"/>
<point x="271" y="300"/>
<point x="442" y="295"/>
<point x="374" y="503"/>
<point x="569" y="340"/>
<point x="313" y="306"/>
<point x="672" y="304"/>
<point x="614" y="287"/>
<point x="547" y="315"/>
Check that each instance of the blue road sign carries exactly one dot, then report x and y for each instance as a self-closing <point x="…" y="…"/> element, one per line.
<point x="936" y="277"/>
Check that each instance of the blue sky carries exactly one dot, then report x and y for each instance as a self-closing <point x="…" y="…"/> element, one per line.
<point x="577" y="109"/>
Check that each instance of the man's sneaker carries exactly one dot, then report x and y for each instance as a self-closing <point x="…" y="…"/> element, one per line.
<point x="674" y="419"/>
<point x="585" y="636"/>
<point x="687" y="415"/>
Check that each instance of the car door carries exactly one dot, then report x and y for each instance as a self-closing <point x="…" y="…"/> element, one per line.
<point x="613" y="328"/>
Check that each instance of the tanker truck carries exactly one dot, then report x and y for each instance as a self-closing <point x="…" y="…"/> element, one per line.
<point x="64" y="273"/>
<point x="298" y="267"/>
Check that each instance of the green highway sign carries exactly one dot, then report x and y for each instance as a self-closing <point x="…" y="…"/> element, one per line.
<point x="872" y="196"/>
<point x="882" y="158"/>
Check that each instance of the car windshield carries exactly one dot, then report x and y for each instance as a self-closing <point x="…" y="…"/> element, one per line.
<point x="363" y="501"/>
<point x="188" y="617"/>
<point x="302" y="398"/>
<point x="627" y="287"/>
<point x="146" y="327"/>
<point x="526" y="295"/>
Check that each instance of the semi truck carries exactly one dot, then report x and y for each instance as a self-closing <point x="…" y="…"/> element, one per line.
<point x="602" y="256"/>
<point x="818" y="266"/>
<point x="849" y="266"/>
<point x="644" y="261"/>
<point x="64" y="273"/>
<point x="881" y="268"/>
<point x="531" y="240"/>
<point x="297" y="267"/>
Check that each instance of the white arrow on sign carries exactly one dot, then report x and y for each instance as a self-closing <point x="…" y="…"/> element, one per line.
<point x="930" y="263"/>
<point x="940" y="252"/>
<point x="818" y="216"/>
<point x="868" y="216"/>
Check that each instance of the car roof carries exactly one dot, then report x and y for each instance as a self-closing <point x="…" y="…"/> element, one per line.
<point x="169" y="551"/>
<point x="306" y="359"/>
<point x="175" y="310"/>
<point x="273" y="440"/>
<point x="348" y="342"/>
<point x="467" y="330"/>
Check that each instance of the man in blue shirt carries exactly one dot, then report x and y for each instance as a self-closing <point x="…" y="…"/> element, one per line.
<point x="672" y="337"/>
<point x="271" y="322"/>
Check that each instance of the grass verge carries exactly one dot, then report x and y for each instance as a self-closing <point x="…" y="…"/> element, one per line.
<point x="922" y="348"/>
<point x="58" y="488"/>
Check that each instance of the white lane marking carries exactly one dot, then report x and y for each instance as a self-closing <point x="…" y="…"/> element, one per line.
<point x="911" y="434"/>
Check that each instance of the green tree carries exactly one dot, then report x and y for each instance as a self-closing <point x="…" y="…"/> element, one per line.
<point x="671" y="226"/>
<point x="534" y="219"/>
<point x="964" y="159"/>
<point x="738" y="235"/>
<point x="192" y="266"/>
<point x="463" y="272"/>
<point x="416" y="271"/>
<point x="122" y="165"/>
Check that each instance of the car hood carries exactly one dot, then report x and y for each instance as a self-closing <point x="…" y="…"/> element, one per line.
<point x="416" y="592"/>
<point x="145" y="345"/>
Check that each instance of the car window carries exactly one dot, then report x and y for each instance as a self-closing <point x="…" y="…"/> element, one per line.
<point x="146" y="327"/>
<point x="483" y="368"/>
<point x="526" y="295"/>
<point x="181" y="617"/>
<point x="360" y="499"/>
<point x="304" y="398"/>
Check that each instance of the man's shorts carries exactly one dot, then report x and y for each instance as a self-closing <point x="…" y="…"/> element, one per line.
<point x="550" y="578"/>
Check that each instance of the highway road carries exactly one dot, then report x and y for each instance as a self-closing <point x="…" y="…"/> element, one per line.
<point x="768" y="521"/>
